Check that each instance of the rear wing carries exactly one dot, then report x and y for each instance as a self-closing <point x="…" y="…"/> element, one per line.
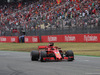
<point x="45" y="47"/>
<point x="42" y="47"/>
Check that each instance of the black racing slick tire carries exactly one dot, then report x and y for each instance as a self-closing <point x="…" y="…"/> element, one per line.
<point x="34" y="55"/>
<point x="42" y="55"/>
<point x="69" y="54"/>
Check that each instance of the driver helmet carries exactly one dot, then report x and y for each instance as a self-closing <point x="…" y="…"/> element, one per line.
<point x="51" y="44"/>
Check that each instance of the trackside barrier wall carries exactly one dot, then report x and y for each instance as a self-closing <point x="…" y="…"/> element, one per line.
<point x="28" y="39"/>
<point x="9" y="39"/>
<point x="32" y="39"/>
<point x="91" y="38"/>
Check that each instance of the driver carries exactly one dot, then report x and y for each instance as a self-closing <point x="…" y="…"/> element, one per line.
<point x="51" y="44"/>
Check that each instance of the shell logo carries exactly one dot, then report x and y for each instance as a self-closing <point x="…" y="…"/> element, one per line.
<point x="26" y="39"/>
<point x="12" y="39"/>
<point x="34" y="39"/>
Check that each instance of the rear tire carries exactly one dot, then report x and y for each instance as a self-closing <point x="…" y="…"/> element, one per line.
<point x="42" y="55"/>
<point x="68" y="54"/>
<point x="34" y="55"/>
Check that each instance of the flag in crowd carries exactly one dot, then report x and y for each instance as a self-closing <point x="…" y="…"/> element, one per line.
<point x="58" y="1"/>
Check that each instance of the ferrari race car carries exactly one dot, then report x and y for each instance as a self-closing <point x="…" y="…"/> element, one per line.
<point x="51" y="52"/>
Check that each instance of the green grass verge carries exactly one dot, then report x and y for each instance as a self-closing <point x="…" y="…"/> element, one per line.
<point x="78" y="48"/>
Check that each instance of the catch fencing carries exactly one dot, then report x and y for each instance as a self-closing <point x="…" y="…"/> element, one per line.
<point x="60" y="26"/>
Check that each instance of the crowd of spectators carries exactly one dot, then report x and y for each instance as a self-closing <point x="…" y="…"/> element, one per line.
<point x="76" y="13"/>
<point x="45" y="14"/>
<point x="85" y="13"/>
<point x="18" y="15"/>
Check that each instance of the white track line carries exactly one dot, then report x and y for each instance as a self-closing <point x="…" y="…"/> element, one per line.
<point x="92" y="73"/>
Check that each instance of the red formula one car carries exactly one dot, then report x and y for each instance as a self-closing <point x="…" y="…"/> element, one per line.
<point x="51" y="52"/>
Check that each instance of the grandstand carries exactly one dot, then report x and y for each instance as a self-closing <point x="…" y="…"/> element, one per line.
<point x="47" y="17"/>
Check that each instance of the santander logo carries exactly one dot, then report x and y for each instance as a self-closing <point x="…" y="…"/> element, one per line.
<point x="90" y="38"/>
<point x="26" y="39"/>
<point x="3" y="39"/>
<point x="34" y="39"/>
<point x="70" y="38"/>
<point x="52" y="38"/>
<point x="12" y="39"/>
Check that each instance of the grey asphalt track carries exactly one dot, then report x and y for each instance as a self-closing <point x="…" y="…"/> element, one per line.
<point x="19" y="63"/>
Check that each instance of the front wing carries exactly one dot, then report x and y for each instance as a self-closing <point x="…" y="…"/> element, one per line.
<point x="52" y="58"/>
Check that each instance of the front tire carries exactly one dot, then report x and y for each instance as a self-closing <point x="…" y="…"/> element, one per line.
<point x="42" y="55"/>
<point x="69" y="54"/>
<point x="34" y="55"/>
